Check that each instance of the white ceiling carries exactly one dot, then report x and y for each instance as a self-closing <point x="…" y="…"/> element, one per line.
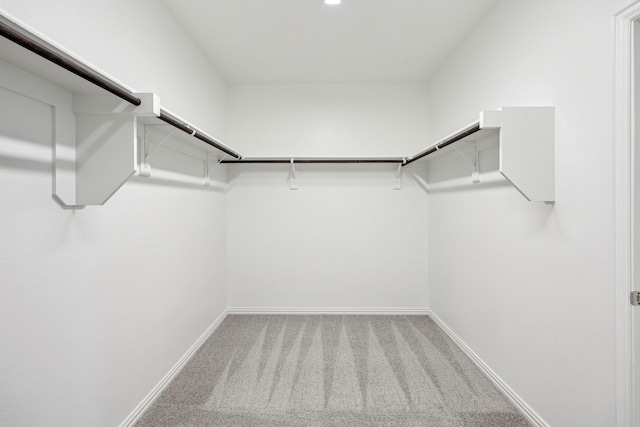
<point x="306" y="41"/>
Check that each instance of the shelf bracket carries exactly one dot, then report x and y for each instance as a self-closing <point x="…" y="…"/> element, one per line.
<point x="209" y="170"/>
<point x="398" y="184"/>
<point x="527" y="151"/>
<point x="292" y="176"/>
<point x="94" y="137"/>
<point x="475" y="176"/>
<point x="106" y="143"/>
<point x="145" y="166"/>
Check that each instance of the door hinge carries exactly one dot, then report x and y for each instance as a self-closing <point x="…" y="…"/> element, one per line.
<point x="635" y="298"/>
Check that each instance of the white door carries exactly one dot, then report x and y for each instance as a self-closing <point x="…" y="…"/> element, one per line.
<point x="635" y="310"/>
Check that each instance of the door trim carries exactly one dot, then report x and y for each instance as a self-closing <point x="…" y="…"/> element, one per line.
<point x="623" y="207"/>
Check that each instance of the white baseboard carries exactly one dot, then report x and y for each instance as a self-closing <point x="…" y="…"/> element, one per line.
<point x="135" y="415"/>
<point x="329" y="310"/>
<point x="526" y="410"/>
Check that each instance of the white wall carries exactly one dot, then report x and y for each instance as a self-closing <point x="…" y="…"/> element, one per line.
<point x="98" y="304"/>
<point x="330" y="120"/>
<point x="345" y="238"/>
<point x="529" y="287"/>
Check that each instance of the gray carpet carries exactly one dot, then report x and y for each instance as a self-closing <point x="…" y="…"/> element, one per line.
<point x="322" y="370"/>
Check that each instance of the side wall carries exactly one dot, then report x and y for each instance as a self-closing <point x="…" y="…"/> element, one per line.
<point x="529" y="287"/>
<point x="345" y="238"/>
<point x="98" y="304"/>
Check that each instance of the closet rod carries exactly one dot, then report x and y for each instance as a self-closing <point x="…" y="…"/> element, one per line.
<point x="35" y="44"/>
<point x="471" y="129"/>
<point x="174" y="121"/>
<point x="316" y="160"/>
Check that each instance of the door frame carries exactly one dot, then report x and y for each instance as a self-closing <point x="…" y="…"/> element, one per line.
<point x="623" y="207"/>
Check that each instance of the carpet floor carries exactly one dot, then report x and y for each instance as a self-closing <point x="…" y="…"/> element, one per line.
<point x="331" y="370"/>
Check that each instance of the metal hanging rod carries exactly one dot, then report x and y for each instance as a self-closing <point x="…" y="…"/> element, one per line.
<point x="403" y="161"/>
<point x="178" y="123"/>
<point x="308" y="160"/>
<point x="35" y="44"/>
<point x="469" y="130"/>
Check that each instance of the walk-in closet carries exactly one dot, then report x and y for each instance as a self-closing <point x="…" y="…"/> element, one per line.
<point x="319" y="213"/>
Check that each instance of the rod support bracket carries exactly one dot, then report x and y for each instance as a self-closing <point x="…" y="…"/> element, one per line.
<point x="398" y="184"/>
<point x="208" y="169"/>
<point x="292" y="175"/>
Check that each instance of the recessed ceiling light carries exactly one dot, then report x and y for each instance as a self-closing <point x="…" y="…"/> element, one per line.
<point x="332" y="2"/>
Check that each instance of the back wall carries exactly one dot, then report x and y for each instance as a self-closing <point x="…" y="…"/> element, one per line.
<point x="345" y="238"/>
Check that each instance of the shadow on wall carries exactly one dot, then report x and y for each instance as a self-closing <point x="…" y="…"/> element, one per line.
<point x="169" y="168"/>
<point x="26" y="129"/>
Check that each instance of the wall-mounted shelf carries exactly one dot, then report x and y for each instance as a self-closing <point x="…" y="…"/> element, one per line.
<point x="526" y="147"/>
<point x="96" y="121"/>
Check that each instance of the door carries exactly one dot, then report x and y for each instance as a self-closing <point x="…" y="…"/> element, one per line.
<point x="635" y="282"/>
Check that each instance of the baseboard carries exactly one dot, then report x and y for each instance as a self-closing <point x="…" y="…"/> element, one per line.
<point x="135" y="415"/>
<point x="526" y="410"/>
<point x="329" y="310"/>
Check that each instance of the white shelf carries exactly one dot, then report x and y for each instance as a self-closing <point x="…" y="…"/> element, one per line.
<point x="526" y="147"/>
<point x="96" y="124"/>
<point x="97" y="128"/>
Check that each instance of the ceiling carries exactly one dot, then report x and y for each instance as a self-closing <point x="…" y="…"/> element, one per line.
<point x="306" y="41"/>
